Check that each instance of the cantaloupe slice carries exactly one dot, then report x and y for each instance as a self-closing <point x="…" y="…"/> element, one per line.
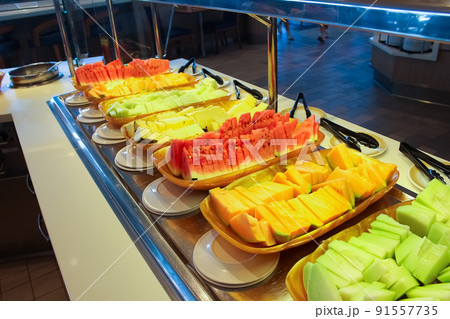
<point x="327" y="205"/>
<point x="338" y="197"/>
<point x="304" y="211"/>
<point x="282" y="179"/>
<point x="386" y="170"/>
<point x="356" y="157"/>
<point x="371" y="172"/>
<point x="251" y="205"/>
<point x="361" y="187"/>
<point x="258" y="197"/>
<point x="284" y="214"/>
<point x="339" y="156"/>
<point x="267" y="231"/>
<point x="226" y="205"/>
<point x="339" y="204"/>
<point x="319" y="173"/>
<point x="247" y="228"/>
<point x="317" y="210"/>
<point x="340" y="185"/>
<point x="293" y="175"/>
<point x="277" y="191"/>
<point x="280" y="232"/>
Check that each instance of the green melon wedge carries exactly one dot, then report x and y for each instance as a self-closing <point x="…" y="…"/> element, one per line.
<point x="438" y="291"/>
<point x="320" y="286"/>
<point x="418" y="220"/>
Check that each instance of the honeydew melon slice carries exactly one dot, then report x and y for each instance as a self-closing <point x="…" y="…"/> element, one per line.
<point x="306" y="270"/>
<point x="357" y="257"/>
<point x="394" y="275"/>
<point x="403" y="232"/>
<point x="444" y="275"/>
<point x="390" y="221"/>
<point x="438" y="291"/>
<point x="419" y="221"/>
<point x="320" y="286"/>
<point x="436" y="196"/>
<point x="348" y="292"/>
<point x="385" y="234"/>
<point x="403" y="285"/>
<point x="406" y="247"/>
<point x="437" y="231"/>
<point x="420" y="299"/>
<point x="388" y="244"/>
<point x="337" y="264"/>
<point x="375" y="271"/>
<point x="369" y="247"/>
<point x="373" y="292"/>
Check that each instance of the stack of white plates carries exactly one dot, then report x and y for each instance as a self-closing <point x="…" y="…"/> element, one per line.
<point x="223" y="265"/>
<point x="107" y="136"/>
<point x="90" y="115"/>
<point x="77" y="99"/>
<point x="167" y="199"/>
<point x="128" y="160"/>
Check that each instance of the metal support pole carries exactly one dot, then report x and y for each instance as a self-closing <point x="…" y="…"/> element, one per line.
<point x="65" y="40"/>
<point x="272" y="64"/>
<point x="109" y="6"/>
<point x="156" y="31"/>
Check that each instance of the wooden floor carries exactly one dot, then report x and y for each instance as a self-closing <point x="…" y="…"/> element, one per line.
<point x="336" y="76"/>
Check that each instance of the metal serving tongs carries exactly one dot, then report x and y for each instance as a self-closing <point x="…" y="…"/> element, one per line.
<point x="256" y="94"/>
<point x="305" y="105"/>
<point x="362" y="138"/>
<point x="188" y="63"/>
<point x="417" y="156"/>
<point x="349" y="141"/>
<point x="217" y="78"/>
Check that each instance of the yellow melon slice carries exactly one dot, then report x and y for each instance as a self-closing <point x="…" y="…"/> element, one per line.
<point x="251" y="205"/>
<point x="362" y="187"/>
<point x="302" y="180"/>
<point x="341" y="186"/>
<point x="226" y="205"/>
<point x="267" y="231"/>
<point x="336" y="208"/>
<point x="250" y="195"/>
<point x="286" y="215"/>
<point x="279" y="231"/>
<point x="276" y="191"/>
<point x="304" y="212"/>
<point x="282" y="179"/>
<point x="318" y="172"/>
<point x="339" y="156"/>
<point x="330" y="190"/>
<point x="248" y="228"/>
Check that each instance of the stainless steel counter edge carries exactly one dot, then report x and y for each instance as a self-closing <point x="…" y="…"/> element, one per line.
<point x="179" y="282"/>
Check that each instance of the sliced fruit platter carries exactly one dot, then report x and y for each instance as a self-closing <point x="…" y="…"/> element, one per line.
<point x="239" y="148"/>
<point x="399" y="253"/>
<point x="286" y="206"/>
<point x="159" y="129"/>
<point x="123" y="110"/>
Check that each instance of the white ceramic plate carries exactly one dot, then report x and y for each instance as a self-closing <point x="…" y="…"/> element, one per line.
<point x="420" y="180"/>
<point x="92" y="113"/>
<point x="165" y="198"/>
<point x="105" y="132"/>
<point x="372" y="152"/>
<point x="222" y="264"/>
<point x="103" y="141"/>
<point x="128" y="159"/>
<point x="76" y="99"/>
<point x="87" y="120"/>
<point x="301" y="115"/>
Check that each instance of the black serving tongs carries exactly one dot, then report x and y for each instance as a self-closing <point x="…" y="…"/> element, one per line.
<point x="349" y="141"/>
<point x="256" y="94"/>
<point x="188" y="63"/>
<point x="362" y="138"/>
<point x="217" y="78"/>
<point x="417" y="156"/>
<point x="305" y="105"/>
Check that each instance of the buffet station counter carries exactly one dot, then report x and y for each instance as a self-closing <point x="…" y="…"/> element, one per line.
<point x="112" y="240"/>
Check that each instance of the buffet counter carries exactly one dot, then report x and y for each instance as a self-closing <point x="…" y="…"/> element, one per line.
<point x="97" y="257"/>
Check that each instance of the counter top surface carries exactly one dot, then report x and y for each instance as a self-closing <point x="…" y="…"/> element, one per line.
<point x="96" y="256"/>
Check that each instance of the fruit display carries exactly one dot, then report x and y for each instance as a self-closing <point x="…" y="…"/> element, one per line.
<point x="239" y="148"/>
<point x="96" y="73"/>
<point x="161" y="128"/>
<point x="126" y="109"/>
<point x="298" y="202"/>
<point x="131" y="85"/>
<point x="400" y="253"/>
<point x="302" y="197"/>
